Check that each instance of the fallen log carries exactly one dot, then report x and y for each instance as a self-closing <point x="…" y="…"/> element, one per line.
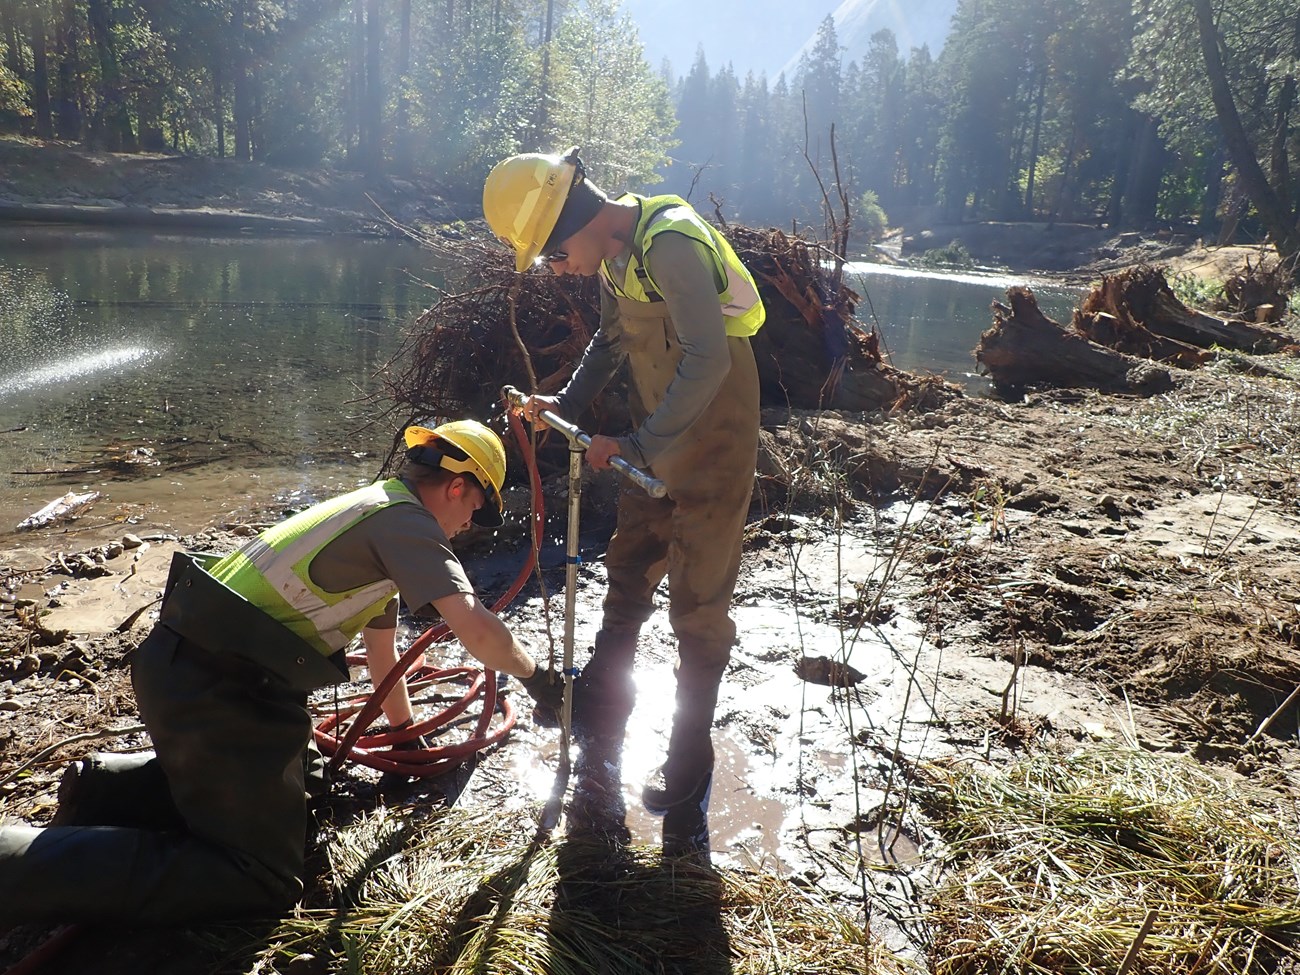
<point x="1140" y="298"/>
<point x="64" y="507"/>
<point x="1026" y="348"/>
<point x="1116" y="333"/>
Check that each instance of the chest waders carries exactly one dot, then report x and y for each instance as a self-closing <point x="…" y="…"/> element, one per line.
<point x="694" y="535"/>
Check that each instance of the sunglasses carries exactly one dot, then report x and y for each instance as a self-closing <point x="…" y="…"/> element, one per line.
<point x="555" y="256"/>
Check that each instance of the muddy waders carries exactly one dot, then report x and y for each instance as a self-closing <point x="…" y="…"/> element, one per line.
<point x="693" y="536"/>
<point x="229" y="721"/>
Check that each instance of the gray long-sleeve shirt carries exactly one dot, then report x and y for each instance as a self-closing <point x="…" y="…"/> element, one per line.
<point x="682" y="270"/>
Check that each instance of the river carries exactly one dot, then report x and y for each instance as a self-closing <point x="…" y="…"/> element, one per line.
<point x="189" y="378"/>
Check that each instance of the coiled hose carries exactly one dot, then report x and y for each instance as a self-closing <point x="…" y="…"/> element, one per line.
<point x="376" y="749"/>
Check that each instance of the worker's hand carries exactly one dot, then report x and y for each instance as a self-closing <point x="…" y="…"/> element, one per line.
<point x="601" y="450"/>
<point x="534" y="405"/>
<point x="545" y="688"/>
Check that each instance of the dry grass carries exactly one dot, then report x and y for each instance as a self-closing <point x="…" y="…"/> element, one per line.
<point x="1056" y="863"/>
<point x="463" y="892"/>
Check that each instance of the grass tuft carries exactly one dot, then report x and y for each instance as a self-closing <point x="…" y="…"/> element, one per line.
<point x="461" y="892"/>
<point x="1069" y="862"/>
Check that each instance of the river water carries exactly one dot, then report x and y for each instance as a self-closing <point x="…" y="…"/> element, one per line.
<point x="190" y="378"/>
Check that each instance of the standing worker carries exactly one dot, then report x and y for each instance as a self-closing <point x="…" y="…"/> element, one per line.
<point x="216" y="825"/>
<point x="679" y="306"/>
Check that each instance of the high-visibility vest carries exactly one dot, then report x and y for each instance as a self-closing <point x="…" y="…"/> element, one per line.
<point x="273" y="570"/>
<point x="742" y="308"/>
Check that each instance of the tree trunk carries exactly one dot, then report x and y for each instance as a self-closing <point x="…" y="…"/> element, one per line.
<point x="355" y="132"/>
<point x="68" y="104"/>
<point x="243" y="86"/>
<point x="372" y="151"/>
<point x="1033" y="144"/>
<point x="1272" y="211"/>
<point x="1142" y="188"/>
<point x="41" y="77"/>
<point x="111" y="127"/>
<point x="219" y="104"/>
<point x="148" y="108"/>
<point x="13" y="43"/>
<point x="402" y="155"/>
<point x="1212" y="194"/>
<point x="1143" y="309"/>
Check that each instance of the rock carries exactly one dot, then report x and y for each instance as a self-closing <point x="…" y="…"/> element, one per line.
<point x="28" y="665"/>
<point x="12" y="704"/>
<point x="113" y="549"/>
<point x="131" y="541"/>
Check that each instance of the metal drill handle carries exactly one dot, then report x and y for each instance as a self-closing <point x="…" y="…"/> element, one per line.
<point x="651" y="485"/>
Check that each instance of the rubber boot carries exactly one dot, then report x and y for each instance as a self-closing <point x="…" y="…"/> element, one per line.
<point x="685" y="776"/>
<point x="109" y="789"/>
<point x="604" y="694"/>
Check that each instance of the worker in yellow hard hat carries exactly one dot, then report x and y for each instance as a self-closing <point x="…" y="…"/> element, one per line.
<point x="214" y="825"/>
<point x="679" y="306"/>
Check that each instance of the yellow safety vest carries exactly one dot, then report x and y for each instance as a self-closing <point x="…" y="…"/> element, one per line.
<point x="273" y="571"/>
<point x="742" y="308"/>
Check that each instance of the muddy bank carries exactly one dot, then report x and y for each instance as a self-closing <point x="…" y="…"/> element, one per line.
<point x="1071" y="567"/>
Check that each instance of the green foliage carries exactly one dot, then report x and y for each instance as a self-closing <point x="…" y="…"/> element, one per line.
<point x="1195" y="292"/>
<point x="953" y="254"/>
<point x="14" y="95"/>
<point x="1083" y="110"/>
<point x="606" y="98"/>
<point x="870" y="220"/>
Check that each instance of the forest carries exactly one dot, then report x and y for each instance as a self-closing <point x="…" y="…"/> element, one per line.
<point x="1136" y="113"/>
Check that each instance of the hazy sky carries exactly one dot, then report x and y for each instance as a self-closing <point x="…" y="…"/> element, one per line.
<point x="757" y="35"/>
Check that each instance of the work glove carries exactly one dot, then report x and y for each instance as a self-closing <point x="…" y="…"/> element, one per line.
<point x="546" y="688"/>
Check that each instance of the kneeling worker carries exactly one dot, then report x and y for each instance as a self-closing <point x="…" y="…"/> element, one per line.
<point x="222" y="682"/>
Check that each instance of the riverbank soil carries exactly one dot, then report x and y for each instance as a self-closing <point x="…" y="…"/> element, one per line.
<point x="973" y="581"/>
<point x="50" y="181"/>
<point x="987" y="577"/>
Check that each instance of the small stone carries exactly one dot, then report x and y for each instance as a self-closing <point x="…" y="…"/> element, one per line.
<point x="131" y="541"/>
<point x="29" y="664"/>
<point x="113" y="549"/>
<point x="12" y="704"/>
<point x="23" y="602"/>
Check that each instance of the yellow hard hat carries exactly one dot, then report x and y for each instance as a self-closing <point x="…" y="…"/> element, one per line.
<point x="464" y="447"/>
<point x="523" y="197"/>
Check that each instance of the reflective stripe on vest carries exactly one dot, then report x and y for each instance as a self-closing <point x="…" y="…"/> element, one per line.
<point x="742" y="308"/>
<point x="273" y="570"/>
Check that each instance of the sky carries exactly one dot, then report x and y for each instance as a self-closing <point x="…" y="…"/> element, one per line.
<point x="766" y="36"/>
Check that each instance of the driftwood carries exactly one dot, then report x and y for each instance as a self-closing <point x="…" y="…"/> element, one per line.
<point x="1139" y="311"/>
<point x="1026" y="348"/>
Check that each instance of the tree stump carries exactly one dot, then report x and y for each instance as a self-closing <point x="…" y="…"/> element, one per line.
<point x="1026" y="348"/>
<point x="1140" y="299"/>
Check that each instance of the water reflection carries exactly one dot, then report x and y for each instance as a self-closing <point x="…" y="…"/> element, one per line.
<point x="930" y="321"/>
<point x="219" y="355"/>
